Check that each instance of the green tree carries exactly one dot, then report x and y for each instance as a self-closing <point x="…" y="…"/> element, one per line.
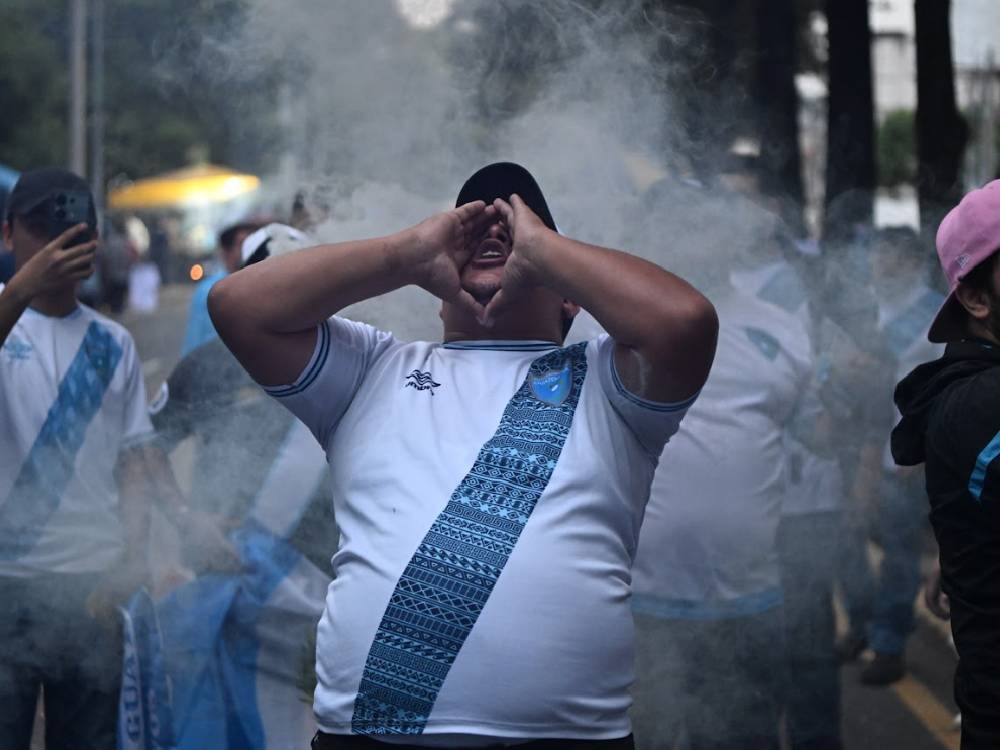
<point x="171" y="88"/>
<point x="897" y="149"/>
<point x="33" y="83"/>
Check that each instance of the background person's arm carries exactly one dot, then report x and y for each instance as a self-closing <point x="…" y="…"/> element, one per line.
<point x="664" y="330"/>
<point x="132" y="571"/>
<point x="202" y="536"/>
<point x="267" y="313"/>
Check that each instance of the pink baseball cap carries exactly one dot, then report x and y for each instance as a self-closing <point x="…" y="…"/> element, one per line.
<point x="969" y="234"/>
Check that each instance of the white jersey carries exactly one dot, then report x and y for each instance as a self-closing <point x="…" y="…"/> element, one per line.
<point x="815" y="483"/>
<point x="707" y="548"/>
<point x="71" y="398"/>
<point x="489" y="497"/>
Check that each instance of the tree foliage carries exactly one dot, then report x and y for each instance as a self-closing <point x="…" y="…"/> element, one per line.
<point x="33" y="83"/>
<point x="170" y="91"/>
<point x="897" y="149"/>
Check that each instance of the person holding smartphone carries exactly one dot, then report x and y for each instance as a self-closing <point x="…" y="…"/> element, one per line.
<point x="73" y="514"/>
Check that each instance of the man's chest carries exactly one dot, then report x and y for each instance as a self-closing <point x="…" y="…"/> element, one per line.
<point x="59" y="385"/>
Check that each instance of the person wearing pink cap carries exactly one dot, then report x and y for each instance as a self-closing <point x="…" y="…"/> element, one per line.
<point x="951" y="423"/>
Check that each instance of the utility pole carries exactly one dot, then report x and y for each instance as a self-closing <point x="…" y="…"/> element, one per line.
<point x="97" y="104"/>
<point x="78" y="86"/>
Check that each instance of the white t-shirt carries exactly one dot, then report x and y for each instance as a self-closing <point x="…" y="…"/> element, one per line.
<point x="467" y="616"/>
<point x="707" y="548"/>
<point x="815" y="483"/>
<point x="71" y="398"/>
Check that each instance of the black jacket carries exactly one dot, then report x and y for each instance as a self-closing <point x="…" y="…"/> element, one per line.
<point x="951" y="422"/>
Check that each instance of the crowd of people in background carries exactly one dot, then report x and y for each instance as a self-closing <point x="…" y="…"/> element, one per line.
<point x="764" y="508"/>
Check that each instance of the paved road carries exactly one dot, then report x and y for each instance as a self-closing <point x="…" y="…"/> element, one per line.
<point x="158" y="336"/>
<point x="915" y="714"/>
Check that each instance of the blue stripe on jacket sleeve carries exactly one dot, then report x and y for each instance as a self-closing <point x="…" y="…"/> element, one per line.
<point x="991" y="451"/>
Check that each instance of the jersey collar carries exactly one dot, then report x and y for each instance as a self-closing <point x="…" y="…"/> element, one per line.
<point x="501" y="345"/>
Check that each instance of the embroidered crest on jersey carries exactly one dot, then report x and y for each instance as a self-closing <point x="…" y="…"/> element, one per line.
<point x="17" y="350"/>
<point x="765" y="342"/>
<point x="49" y="466"/>
<point x="552" y="387"/>
<point x="422" y="381"/>
<point x="450" y="577"/>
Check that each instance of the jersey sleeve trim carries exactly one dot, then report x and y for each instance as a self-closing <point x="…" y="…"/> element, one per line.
<point x="664" y="406"/>
<point x="311" y="371"/>
<point x="983" y="460"/>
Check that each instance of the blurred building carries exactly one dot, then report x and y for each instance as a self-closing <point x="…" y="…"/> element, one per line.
<point x="977" y="86"/>
<point x="894" y="55"/>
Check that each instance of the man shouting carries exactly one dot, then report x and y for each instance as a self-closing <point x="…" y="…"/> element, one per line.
<point x="489" y="488"/>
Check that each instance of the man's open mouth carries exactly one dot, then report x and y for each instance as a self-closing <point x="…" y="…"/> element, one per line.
<point x="490" y="251"/>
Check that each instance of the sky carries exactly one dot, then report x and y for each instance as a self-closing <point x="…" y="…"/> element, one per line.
<point x="975" y="29"/>
<point x="975" y="26"/>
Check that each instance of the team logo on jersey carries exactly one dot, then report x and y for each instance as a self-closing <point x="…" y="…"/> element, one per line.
<point x="422" y="381"/>
<point x="765" y="342"/>
<point x="552" y="387"/>
<point x="17" y="350"/>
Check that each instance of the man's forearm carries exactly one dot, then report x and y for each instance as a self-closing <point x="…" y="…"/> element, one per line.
<point x="639" y="304"/>
<point x="267" y="313"/>
<point x="168" y="495"/>
<point x="298" y="291"/>
<point x="133" y="492"/>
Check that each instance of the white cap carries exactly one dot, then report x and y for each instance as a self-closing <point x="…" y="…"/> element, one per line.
<point x="272" y="240"/>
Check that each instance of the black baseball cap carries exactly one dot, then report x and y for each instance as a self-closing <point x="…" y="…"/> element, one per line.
<point x="501" y="180"/>
<point x="227" y="235"/>
<point x="34" y="188"/>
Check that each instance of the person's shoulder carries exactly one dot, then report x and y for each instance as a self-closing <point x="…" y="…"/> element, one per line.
<point x="976" y="394"/>
<point x="203" y="287"/>
<point x="209" y="281"/>
<point x="119" y="332"/>
<point x="971" y="404"/>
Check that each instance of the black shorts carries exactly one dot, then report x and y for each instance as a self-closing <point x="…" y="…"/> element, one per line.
<point x="323" y="741"/>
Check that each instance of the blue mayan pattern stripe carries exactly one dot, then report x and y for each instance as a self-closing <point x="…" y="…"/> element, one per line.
<point x="49" y="466"/>
<point x="450" y="577"/>
<point x="978" y="477"/>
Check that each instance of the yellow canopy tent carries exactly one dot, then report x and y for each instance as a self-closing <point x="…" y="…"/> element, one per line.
<point x="201" y="184"/>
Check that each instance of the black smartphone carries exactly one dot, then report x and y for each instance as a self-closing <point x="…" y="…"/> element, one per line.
<point x="67" y="209"/>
